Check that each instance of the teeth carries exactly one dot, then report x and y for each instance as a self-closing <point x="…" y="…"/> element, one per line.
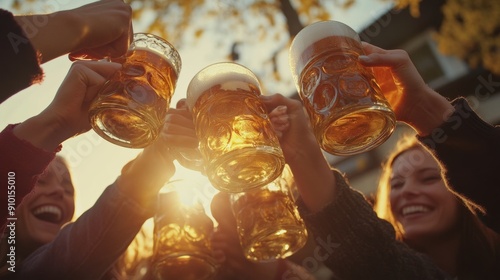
<point x="414" y="209"/>
<point x="50" y="210"/>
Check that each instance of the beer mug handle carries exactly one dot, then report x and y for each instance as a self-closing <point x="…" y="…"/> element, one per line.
<point x="190" y="158"/>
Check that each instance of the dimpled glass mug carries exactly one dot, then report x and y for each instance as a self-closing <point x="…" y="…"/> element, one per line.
<point x="268" y="221"/>
<point x="131" y="107"/>
<point x="347" y="110"/>
<point x="239" y="147"/>
<point x="182" y="230"/>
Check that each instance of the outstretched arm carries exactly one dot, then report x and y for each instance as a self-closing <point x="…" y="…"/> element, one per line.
<point x="301" y="150"/>
<point x="93" y="31"/>
<point x="105" y="230"/>
<point x="465" y="144"/>
<point x="27" y="148"/>
<point x="352" y="241"/>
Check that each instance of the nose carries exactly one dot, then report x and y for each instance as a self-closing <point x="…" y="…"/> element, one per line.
<point x="54" y="189"/>
<point x="410" y="188"/>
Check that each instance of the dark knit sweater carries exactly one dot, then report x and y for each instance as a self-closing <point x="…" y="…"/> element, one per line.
<point x="19" y="61"/>
<point x="356" y="245"/>
<point x="469" y="148"/>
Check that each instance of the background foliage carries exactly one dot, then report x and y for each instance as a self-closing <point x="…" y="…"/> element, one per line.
<point x="469" y="30"/>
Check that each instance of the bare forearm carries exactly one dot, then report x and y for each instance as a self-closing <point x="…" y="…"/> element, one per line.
<point x="144" y="176"/>
<point x="313" y="177"/>
<point x="52" y="34"/>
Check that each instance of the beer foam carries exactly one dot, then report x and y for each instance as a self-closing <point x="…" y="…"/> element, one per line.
<point x="315" y="32"/>
<point x="226" y="74"/>
<point x="155" y="44"/>
<point x="151" y="51"/>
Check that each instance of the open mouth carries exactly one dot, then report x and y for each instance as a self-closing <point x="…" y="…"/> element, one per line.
<point x="48" y="213"/>
<point x="414" y="209"/>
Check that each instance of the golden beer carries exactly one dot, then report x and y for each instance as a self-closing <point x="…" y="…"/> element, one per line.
<point x="130" y="108"/>
<point x="182" y="241"/>
<point x="239" y="146"/>
<point x="348" y="112"/>
<point x="269" y="224"/>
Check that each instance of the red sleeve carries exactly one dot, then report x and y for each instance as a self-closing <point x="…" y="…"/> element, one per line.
<point x="21" y="164"/>
<point x="20" y="66"/>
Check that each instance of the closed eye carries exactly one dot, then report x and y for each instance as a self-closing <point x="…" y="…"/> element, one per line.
<point x="396" y="184"/>
<point x="68" y="186"/>
<point x="432" y="179"/>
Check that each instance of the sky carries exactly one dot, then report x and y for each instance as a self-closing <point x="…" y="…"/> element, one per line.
<point x="94" y="162"/>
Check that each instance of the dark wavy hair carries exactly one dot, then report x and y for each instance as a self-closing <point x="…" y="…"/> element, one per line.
<point x="478" y="256"/>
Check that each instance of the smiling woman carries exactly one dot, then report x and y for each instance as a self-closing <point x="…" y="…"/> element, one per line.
<point x="42" y="213"/>
<point x="414" y="197"/>
<point x="43" y="247"/>
<point x="420" y="203"/>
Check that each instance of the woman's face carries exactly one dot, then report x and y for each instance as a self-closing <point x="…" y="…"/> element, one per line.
<point x="420" y="201"/>
<point x="43" y="212"/>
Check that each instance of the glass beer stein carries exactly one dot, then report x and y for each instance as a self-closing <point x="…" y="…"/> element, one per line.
<point x="181" y="244"/>
<point x="131" y="107"/>
<point x="348" y="112"/>
<point x="268" y="222"/>
<point x="239" y="147"/>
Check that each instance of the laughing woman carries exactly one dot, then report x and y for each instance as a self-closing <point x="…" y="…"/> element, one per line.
<point x="431" y="188"/>
<point x="49" y="246"/>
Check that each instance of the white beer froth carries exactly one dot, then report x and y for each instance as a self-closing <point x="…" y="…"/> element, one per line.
<point x="313" y="33"/>
<point x="153" y="51"/>
<point x="226" y="74"/>
<point x="150" y="51"/>
<point x="161" y="47"/>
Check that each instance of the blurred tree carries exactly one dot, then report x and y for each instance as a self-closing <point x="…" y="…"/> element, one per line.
<point x="259" y="31"/>
<point x="470" y="30"/>
<point x="245" y="26"/>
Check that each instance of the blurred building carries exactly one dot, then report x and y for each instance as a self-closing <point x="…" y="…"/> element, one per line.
<point x="449" y="76"/>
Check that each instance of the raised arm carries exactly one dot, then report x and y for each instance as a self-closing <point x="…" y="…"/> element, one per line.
<point x="301" y="149"/>
<point x="87" y="248"/>
<point x="96" y="30"/>
<point x="93" y="31"/>
<point x="27" y="148"/>
<point x="466" y="145"/>
<point x="352" y="241"/>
